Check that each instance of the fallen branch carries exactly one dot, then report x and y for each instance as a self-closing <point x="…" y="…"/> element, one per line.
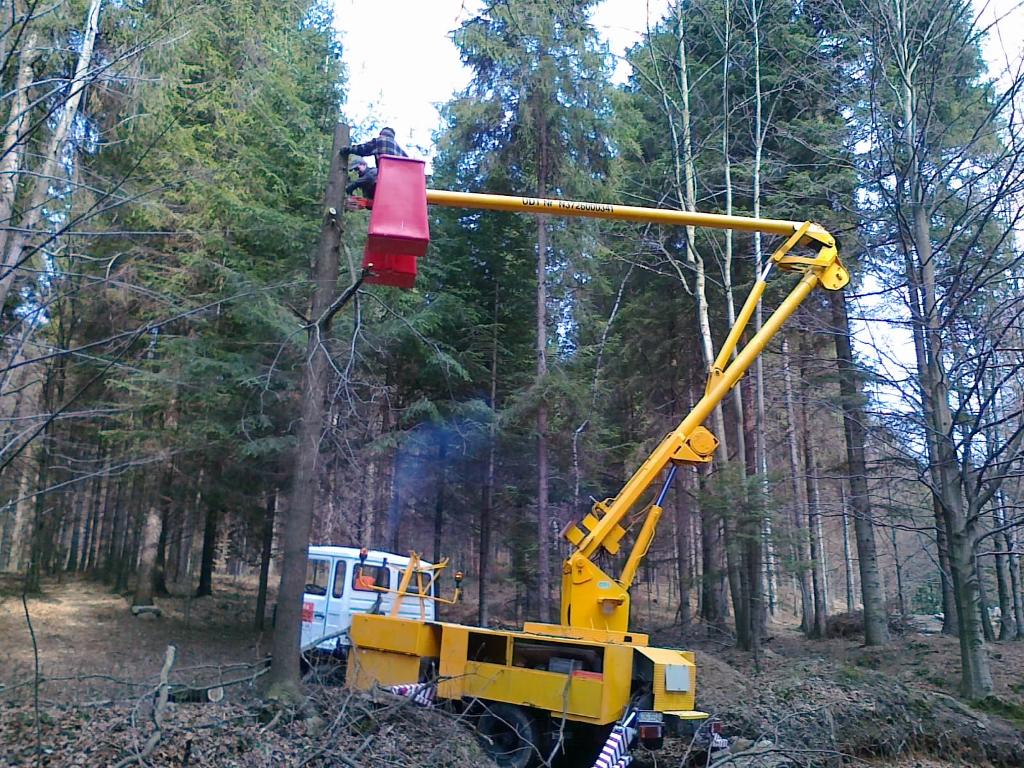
<point x="213" y="692"/>
<point x="159" y="709"/>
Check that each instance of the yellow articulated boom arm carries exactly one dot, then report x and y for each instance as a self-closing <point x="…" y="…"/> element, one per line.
<point x="591" y="599"/>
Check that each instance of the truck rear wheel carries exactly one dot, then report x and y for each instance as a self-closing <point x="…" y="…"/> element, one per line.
<point x="510" y="735"/>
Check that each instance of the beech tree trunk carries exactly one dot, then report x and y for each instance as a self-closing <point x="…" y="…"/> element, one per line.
<point x="1007" y="630"/>
<point x="961" y="521"/>
<point x="1016" y="586"/>
<point x="950" y="622"/>
<point x="983" y="603"/>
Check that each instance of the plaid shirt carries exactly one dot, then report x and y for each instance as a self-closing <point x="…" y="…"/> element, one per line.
<point x="381" y="145"/>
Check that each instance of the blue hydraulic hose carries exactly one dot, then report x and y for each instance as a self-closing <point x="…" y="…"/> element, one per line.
<point x="667" y="485"/>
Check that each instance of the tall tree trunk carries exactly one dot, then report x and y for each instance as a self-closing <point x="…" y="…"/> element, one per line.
<point x="898" y="563"/>
<point x="15" y="137"/>
<point x="753" y="532"/>
<point x="112" y="536"/>
<point x="1007" y="630"/>
<point x="983" y="603"/>
<point x="847" y="555"/>
<point x="819" y="533"/>
<point x="801" y="555"/>
<point x="20" y="537"/>
<point x="683" y="544"/>
<point x="713" y="601"/>
<point x="713" y="598"/>
<point x="543" y="526"/>
<point x="950" y="622"/>
<point x="730" y="303"/>
<point x="442" y="471"/>
<point x="760" y="427"/>
<point x="191" y="511"/>
<point x="817" y="628"/>
<point x="265" y="553"/>
<point x="876" y="622"/>
<point x="1013" y="568"/>
<point x="150" y="565"/>
<point x="927" y="335"/>
<point x="1016" y="585"/>
<point x="209" y="555"/>
<point x="487" y="508"/>
<point x="42" y="539"/>
<point x="160" y="566"/>
<point x="961" y="522"/>
<point x="125" y="556"/>
<point x="283" y="678"/>
<point x="813" y="526"/>
<point x="736" y="525"/>
<point x="95" y="511"/>
<point x="53" y="152"/>
<point x="396" y="498"/>
<point x="151" y="530"/>
<point x="76" y="522"/>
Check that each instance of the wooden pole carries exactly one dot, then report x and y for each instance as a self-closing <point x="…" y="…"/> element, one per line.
<point x="283" y="679"/>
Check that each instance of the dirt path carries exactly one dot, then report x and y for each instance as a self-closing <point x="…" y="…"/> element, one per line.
<point x="88" y="634"/>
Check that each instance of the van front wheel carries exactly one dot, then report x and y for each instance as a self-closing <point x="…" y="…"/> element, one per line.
<point x="510" y="735"/>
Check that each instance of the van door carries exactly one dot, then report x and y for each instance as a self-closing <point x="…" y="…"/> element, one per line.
<point x="338" y="618"/>
<point x="314" y="599"/>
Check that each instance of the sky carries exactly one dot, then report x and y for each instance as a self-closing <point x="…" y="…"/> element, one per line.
<point x="400" y="70"/>
<point x="403" y="65"/>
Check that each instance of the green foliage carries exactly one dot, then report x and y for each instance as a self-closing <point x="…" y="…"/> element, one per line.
<point x="222" y="145"/>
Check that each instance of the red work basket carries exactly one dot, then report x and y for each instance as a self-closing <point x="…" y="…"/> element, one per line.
<point x="399" y="233"/>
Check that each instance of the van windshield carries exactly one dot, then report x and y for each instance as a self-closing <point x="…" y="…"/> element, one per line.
<point x="366" y="577"/>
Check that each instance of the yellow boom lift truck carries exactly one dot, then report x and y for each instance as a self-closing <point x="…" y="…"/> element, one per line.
<point x="588" y="680"/>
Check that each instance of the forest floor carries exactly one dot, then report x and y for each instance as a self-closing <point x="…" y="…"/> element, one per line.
<point x="805" y="703"/>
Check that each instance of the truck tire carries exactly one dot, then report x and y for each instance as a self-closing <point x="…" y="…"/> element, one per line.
<point x="510" y="736"/>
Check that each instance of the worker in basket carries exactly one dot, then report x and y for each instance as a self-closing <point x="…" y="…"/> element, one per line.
<point x="383" y="144"/>
<point x="365" y="182"/>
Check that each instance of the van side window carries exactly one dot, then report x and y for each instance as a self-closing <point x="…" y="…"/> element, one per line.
<point x="366" y="577"/>
<point x="339" y="579"/>
<point x="317" y="574"/>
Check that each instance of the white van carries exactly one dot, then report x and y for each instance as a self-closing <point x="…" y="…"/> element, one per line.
<point x="337" y="586"/>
